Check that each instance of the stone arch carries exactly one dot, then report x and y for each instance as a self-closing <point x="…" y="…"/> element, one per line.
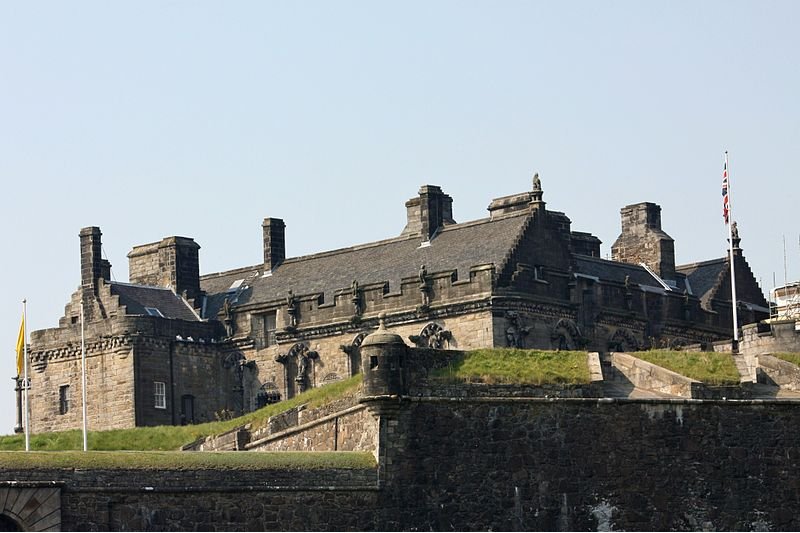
<point x="298" y="363"/>
<point x="30" y="508"/>
<point x="353" y="353"/>
<point x="566" y="335"/>
<point x="268" y="393"/>
<point x="432" y="336"/>
<point x="623" y="341"/>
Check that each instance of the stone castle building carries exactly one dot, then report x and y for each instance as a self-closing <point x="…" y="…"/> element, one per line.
<point x="174" y="347"/>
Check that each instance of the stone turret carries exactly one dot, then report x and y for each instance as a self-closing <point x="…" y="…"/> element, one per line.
<point x="643" y="241"/>
<point x="382" y="357"/>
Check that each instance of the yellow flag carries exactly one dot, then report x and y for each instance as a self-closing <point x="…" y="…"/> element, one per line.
<point x="21" y="346"/>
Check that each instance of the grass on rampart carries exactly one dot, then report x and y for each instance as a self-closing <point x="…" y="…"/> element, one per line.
<point x="517" y="367"/>
<point x="173" y="437"/>
<point x="150" y="460"/>
<point x="712" y="368"/>
<point x="793" y="358"/>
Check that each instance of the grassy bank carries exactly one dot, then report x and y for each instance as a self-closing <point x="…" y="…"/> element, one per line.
<point x="186" y="461"/>
<point x="711" y="368"/>
<point x="519" y="367"/>
<point x="793" y="358"/>
<point x="173" y="437"/>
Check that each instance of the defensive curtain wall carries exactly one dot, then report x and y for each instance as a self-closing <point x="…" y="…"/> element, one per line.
<point x="451" y="458"/>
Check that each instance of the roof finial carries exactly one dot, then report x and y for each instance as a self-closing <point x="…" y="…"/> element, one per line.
<point x="537" y="183"/>
<point x="381" y="321"/>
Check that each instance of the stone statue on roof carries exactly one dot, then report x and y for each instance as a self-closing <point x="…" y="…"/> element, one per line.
<point x="537" y="183"/>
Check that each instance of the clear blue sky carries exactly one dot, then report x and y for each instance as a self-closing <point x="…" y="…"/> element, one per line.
<point x="199" y="119"/>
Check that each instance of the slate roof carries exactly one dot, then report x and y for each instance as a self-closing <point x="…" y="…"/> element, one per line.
<point x="703" y="276"/>
<point x="136" y="297"/>
<point x="616" y="271"/>
<point x="456" y="247"/>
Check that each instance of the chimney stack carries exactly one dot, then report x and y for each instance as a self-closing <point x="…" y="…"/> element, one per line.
<point x="172" y="262"/>
<point x="643" y="241"/>
<point x="93" y="267"/>
<point x="274" y="243"/>
<point x="428" y="212"/>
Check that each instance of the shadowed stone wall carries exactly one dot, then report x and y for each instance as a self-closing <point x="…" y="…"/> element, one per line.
<point x="574" y="465"/>
<point x="491" y="464"/>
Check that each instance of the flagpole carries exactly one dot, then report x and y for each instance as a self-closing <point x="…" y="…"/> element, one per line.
<point x="730" y="251"/>
<point x="26" y="384"/>
<point x="83" y="377"/>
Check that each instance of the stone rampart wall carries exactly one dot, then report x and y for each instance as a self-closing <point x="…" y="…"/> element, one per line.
<point x="489" y="464"/>
<point x="572" y="465"/>
<point x="354" y="429"/>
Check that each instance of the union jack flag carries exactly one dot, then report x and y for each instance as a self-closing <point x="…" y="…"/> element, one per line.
<point x="725" y="210"/>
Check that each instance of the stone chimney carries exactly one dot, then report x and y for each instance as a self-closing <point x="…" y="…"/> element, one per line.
<point x="173" y="262"/>
<point x="428" y="212"/>
<point x="93" y="266"/>
<point x="643" y="241"/>
<point x="274" y="243"/>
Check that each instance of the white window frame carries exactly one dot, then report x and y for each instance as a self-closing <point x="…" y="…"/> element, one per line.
<point x="159" y="395"/>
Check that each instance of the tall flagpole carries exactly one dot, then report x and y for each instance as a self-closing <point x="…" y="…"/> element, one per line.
<point x="26" y="384"/>
<point x="729" y="221"/>
<point x="83" y="377"/>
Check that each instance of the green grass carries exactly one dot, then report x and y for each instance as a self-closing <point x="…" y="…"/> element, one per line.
<point x="711" y="368"/>
<point x="186" y="461"/>
<point x="519" y="367"/>
<point x="793" y="358"/>
<point x="173" y="437"/>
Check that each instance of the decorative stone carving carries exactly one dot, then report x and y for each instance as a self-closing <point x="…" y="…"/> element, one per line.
<point x="432" y="336"/>
<point x="302" y="356"/>
<point x="354" y="353"/>
<point x="331" y="377"/>
<point x="424" y="289"/>
<point x="291" y="310"/>
<point x="623" y="341"/>
<point x="515" y="332"/>
<point x="356" y="299"/>
<point x="566" y="336"/>
<point x="226" y="316"/>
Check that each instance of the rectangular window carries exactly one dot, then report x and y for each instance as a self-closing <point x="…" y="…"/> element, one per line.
<point x="269" y="329"/>
<point x="63" y="399"/>
<point x="160" y="394"/>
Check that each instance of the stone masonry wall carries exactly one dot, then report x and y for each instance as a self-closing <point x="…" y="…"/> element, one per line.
<point x="354" y="429"/>
<point x="468" y="331"/>
<point x="265" y="500"/>
<point x="572" y="465"/>
<point x="109" y="378"/>
<point x="779" y="337"/>
<point x="490" y="464"/>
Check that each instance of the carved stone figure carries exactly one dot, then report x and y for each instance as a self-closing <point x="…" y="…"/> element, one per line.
<point x="227" y="317"/>
<point x="537" y="183"/>
<point x="432" y="336"/>
<point x="424" y="289"/>
<point x="356" y="298"/>
<point x="291" y="309"/>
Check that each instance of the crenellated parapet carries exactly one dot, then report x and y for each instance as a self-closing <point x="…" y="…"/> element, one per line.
<point x="437" y="294"/>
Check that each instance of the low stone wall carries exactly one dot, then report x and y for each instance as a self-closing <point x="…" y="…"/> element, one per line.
<point x="780" y="372"/>
<point x="353" y="429"/>
<point x="232" y="440"/>
<point x="208" y="500"/>
<point x="649" y="376"/>
<point x="782" y="336"/>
